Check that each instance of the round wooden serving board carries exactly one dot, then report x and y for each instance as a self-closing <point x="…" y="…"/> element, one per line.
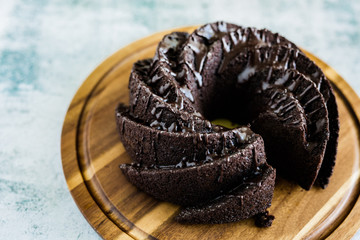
<point x="92" y="152"/>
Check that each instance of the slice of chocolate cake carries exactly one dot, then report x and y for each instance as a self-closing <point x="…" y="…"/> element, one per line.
<point x="251" y="197"/>
<point x="189" y="183"/>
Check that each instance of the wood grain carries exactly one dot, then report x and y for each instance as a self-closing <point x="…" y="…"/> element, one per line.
<point x="92" y="152"/>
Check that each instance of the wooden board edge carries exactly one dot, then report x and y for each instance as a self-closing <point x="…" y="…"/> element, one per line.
<point x="351" y="224"/>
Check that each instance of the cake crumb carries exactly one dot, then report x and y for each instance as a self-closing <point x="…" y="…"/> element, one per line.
<point x="264" y="219"/>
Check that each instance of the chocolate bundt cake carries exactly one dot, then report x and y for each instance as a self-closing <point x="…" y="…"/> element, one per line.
<point x="283" y="102"/>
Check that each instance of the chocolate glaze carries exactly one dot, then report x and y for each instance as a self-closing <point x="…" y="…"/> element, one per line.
<point x="249" y="76"/>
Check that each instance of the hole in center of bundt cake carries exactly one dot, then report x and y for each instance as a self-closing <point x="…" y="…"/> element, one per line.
<point x="225" y="123"/>
<point x="225" y="100"/>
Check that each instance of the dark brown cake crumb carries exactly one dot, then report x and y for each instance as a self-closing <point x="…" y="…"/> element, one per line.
<point x="264" y="219"/>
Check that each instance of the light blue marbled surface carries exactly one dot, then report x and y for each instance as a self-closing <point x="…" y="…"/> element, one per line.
<point x="47" y="49"/>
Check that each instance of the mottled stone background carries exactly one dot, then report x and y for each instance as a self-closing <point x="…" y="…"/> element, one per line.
<point x="47" y="49"/>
